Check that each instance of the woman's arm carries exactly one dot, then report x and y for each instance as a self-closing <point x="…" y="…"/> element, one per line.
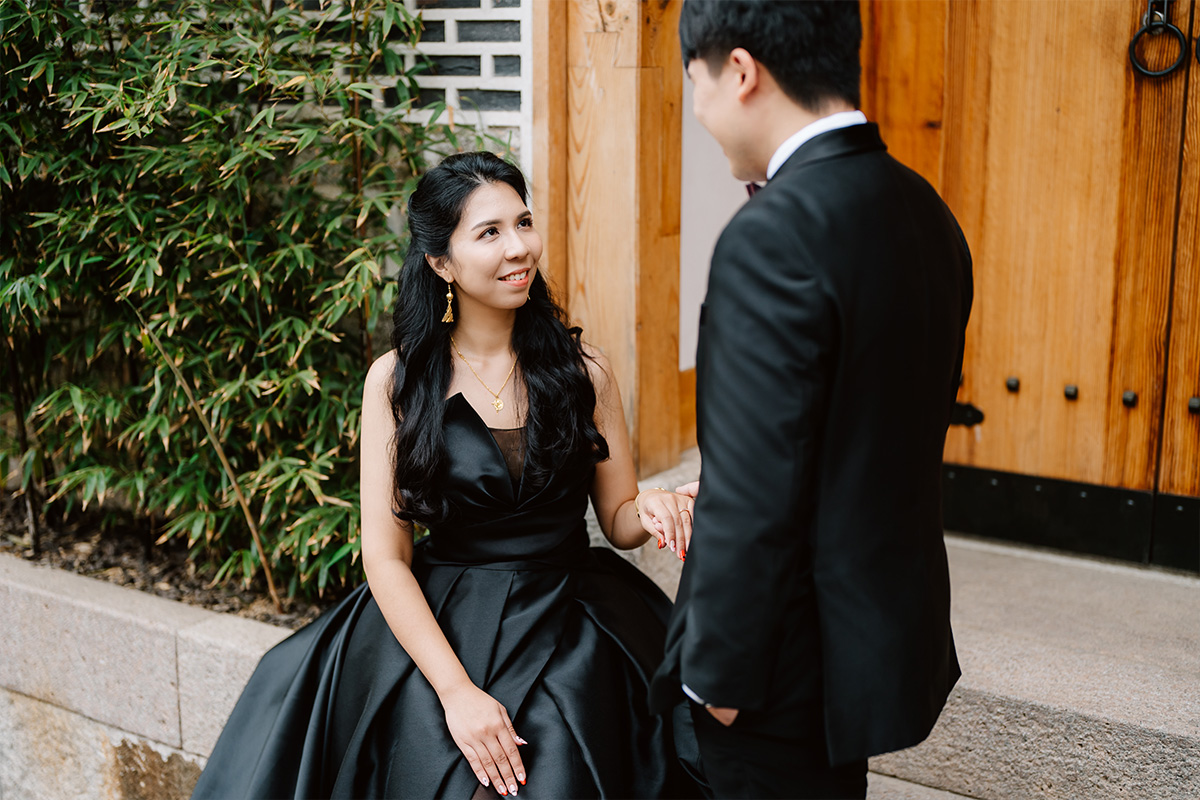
<point x="615" y="497"/>
<point x="479" y="725"/>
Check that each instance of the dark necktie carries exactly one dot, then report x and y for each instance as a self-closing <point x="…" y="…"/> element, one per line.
<point x="751" y="188"/>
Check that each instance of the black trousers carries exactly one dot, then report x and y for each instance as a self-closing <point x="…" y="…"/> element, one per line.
<point x="744" y="763"/>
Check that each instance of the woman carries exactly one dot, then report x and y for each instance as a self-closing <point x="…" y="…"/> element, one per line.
<point x="490" y="422"/>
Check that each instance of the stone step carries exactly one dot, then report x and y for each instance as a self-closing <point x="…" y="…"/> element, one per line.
<point x="1081" y="677"/>
<point x="883" y="787"/>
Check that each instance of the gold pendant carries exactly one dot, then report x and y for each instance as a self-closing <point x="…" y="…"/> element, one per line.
<point x="499" y="404"/>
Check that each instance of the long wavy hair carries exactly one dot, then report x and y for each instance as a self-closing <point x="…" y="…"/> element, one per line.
<point x="560" y="425"/>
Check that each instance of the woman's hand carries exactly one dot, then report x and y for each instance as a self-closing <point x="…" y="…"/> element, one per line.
<point x="667" y="516"/>
<point x="483" y="732"/>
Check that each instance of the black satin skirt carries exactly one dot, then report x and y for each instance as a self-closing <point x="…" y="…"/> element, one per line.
<point x="567" y="645"/>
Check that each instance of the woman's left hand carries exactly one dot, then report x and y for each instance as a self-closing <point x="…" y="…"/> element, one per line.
<point x="668" y="517"/>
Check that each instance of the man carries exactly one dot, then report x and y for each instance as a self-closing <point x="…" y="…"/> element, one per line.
<point x="812" y="626"/>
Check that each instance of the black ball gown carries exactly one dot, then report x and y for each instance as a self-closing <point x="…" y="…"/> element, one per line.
<point x="564" y="635"/>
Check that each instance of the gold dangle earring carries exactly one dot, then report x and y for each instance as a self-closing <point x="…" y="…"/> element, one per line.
<point x="449" y="315"/>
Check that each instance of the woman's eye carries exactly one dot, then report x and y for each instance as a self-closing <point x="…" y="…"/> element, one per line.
<point x="526" y="223"/>
<point x="490" y="231"/>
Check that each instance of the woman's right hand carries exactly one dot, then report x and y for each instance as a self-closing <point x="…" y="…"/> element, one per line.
<point x="483" y="732"/>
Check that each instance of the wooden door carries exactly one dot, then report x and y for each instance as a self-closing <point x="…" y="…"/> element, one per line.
<point x="1064" y="168"/>
<point x="1176" y="540"/>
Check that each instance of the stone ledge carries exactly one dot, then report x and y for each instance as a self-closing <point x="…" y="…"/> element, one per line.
<point x="155" y="668"/>
<point x="216" y="658"/>
<point x="105" y="652"/>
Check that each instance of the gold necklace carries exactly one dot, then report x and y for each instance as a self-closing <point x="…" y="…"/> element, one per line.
<point x="497" y="403"/>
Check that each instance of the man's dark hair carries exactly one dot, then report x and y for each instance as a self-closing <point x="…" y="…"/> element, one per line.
<point x="810" y="47"/>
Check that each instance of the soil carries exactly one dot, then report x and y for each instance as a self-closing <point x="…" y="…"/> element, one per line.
<point x="125" y="554"/>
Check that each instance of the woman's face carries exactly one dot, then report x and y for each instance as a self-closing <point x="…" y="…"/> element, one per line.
<point x="493" y="252"/>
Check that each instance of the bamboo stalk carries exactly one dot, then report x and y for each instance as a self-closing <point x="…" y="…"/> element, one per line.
<point x="216" y="443"/>
<point x="31" y="522"/>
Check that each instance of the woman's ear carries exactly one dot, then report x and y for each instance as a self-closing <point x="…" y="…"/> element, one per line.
<point x="438" y="265"/>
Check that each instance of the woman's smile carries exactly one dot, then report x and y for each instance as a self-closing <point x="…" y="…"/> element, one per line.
<point x="517" y="279"/>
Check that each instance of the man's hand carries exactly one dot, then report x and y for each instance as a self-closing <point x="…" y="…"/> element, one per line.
<point x="690" y="489"/>
<point x="725" y="716"/>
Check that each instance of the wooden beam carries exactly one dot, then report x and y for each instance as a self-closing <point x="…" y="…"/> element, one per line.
<point x="549" y="179"/>
<point x="687" y="409"/>
<point x="623" y="129"/>
<point x="658" y="162"/>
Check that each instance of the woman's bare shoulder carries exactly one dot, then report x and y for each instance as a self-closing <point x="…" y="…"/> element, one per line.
<point x="379" y="376"/>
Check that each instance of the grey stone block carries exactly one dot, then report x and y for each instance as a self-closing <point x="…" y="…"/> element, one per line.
<point x="999" y="747"/>
<point x="1079" y="680"/>
<point x="216" y="658"/>
<point x="884" y="787"/>
<point x="52" y="754"/>
<point x="85" y="645"/>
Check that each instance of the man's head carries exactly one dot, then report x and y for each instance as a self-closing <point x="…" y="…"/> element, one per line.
<point x="759" y="66"/>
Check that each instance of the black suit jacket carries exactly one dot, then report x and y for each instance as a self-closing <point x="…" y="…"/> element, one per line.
<point x="816" y="590"/>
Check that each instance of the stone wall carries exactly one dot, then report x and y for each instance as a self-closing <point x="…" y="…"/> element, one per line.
<point x="106" y="692"/>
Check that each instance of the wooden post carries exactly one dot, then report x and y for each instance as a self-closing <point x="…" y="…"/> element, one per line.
<point x="549" y="179"/>
<point x="607" y="162"/>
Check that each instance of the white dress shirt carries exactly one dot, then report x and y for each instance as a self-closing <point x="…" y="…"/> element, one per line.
<point x="840" y="119"/>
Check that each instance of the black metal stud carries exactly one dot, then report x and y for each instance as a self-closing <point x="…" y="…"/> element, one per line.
<point x="1194" y="405"/>
<point x="1071" y="392"/>
<point x="1013" y="384"/>
<point x="1129" y="399"/>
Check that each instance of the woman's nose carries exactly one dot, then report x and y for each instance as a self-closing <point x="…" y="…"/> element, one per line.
<point x="515" y="247"/>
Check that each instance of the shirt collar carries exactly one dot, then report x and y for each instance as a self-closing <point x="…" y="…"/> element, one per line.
<point x="841" y="119"/>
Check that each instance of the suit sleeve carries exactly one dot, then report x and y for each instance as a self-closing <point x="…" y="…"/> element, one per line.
<point x="767" y="348"/>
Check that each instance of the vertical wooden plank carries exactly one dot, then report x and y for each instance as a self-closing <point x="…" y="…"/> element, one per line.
<point x="904" y="68"/>
<point x="602" y="237"/>
<point x="1179" y="471"/>
<point x="687" y="409"/>
<point x="624" y="90"/>
<point x="1146" y="241"/>
<point x="549" y="180"/>
<point x="964" y="175"/>
<point x="658" y="164"/>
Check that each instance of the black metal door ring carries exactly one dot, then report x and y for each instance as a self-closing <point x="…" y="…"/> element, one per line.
<point x="1155" y="27"/>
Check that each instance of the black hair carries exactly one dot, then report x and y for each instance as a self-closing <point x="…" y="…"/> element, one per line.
<point x="560" y="426"/>
<point x="810" y="48"/>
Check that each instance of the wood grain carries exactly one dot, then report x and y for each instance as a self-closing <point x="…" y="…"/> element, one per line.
<point x="602" y="237"/>
<point x="623" y="161"/>
<point x="1179" y="471"/>
<point x="549" y="180"/>
<point x="1060" y="167"/>
<point x="1149" y="190"/>
<point x="658" y="164"/>
<point x="687" y="409"/>
<point x="904" y="68"/>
